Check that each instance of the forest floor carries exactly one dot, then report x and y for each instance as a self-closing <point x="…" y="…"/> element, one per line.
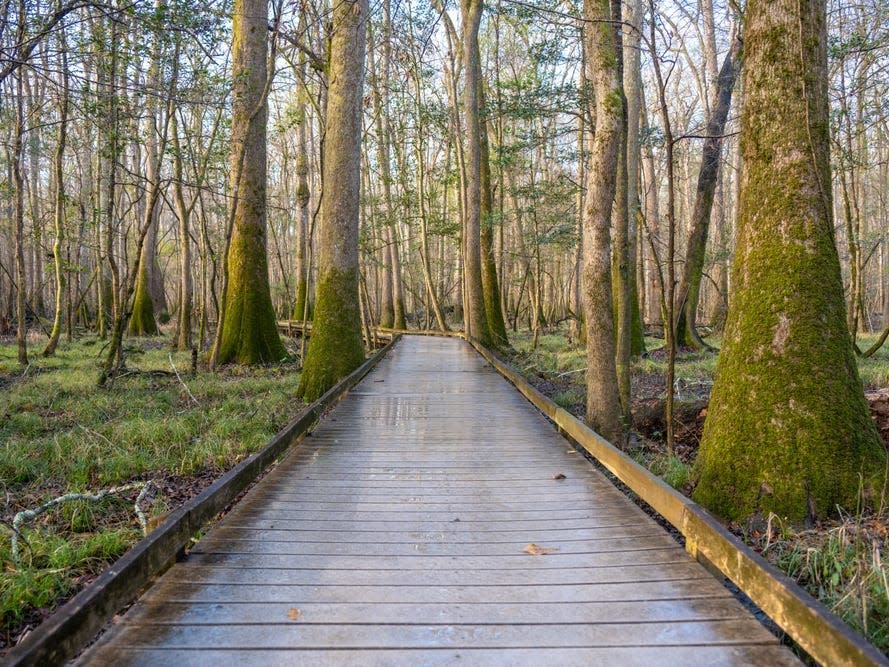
<point x="841" y="561"/>
<point x="158" y="421"/>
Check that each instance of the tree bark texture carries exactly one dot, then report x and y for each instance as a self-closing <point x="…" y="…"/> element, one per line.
<point x="788" y="429"/>
<point x="490" y="283"/>
<point x="249" y="330"/>
<point x="603" y="408"/>
<point x="474" y="298"/>
<point x="335" y="348"/>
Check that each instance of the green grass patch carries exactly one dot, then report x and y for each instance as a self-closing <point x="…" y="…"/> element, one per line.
<point x="874" y="370"/>
<point x="60" y="433"/>
<point x="844" y="567"/>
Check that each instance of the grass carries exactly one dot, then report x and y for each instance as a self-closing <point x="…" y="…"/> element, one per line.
<point x="874" y="370"/>
<point x="59" y="433"/>
<point x="843" y="567"/>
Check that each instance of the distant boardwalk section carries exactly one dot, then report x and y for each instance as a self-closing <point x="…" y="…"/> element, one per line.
<point x="436" y="518"/>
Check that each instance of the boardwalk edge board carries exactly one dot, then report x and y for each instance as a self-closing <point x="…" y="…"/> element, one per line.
<point x="819" y="632"/>
<point x="75" y="623"/>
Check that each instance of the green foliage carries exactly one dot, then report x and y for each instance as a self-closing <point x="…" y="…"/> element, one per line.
<point x="60" y="434"/>
<point x="671" y="469"/>
<point x="845" y="568"/>
<point x="53" y="564"/>
<point x="568" y="398"/>
<point x="58" y="427"/>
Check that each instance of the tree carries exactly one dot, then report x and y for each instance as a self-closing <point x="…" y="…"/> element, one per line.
<point x="248" y="331"/>
<point x="603" y="407"/>
<point x="18" y="183"/>
<point x="474" y="298"/>
<point x="59" y="203"/>
<point x="788" y="430"/>
<point x="335" y="348"/>
<point x="689" y="291"/>
<point x="490" y="284"/>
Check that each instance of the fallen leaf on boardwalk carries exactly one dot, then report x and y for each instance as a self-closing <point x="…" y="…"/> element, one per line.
<point x="558" y="475"/>
<point x="293" y="614"/>
<point x="534" y="550"/>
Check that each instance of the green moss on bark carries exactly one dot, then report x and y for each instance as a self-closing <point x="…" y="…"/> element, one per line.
<point x="300" y="311"/>
<point x="250" y="331"/>
<point x="788" y="429"/>
<point x="142" y="322"/>
<point x="335" y="348"/>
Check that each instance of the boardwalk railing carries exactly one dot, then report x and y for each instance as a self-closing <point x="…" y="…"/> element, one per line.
<point x="74" y="624"/>
<point x="808" y="622"/>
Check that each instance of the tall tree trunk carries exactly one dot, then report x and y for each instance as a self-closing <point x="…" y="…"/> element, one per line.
<point x="689" y="292"/>
<point x="148" y="297"/>
<point x="603" y="407"/>
<point x="59" y="204"/>
<point x="577" y="296"/>
<point x="335" y="349"/>
<point x="633" y="90"/>
<point x="18" y="184"/>
<point x="490" y="284"/>
<point x="249" y="332"/>
<point x="788" y="429"/>
<point x="302" y="309"/>
<point x="621" y="272"/>
<point x="476" y="319"/>
<point x="183" y="213"/>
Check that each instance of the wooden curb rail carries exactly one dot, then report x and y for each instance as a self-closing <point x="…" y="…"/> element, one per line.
<point x="75" y="623"/>
<point x="818" y="631"/>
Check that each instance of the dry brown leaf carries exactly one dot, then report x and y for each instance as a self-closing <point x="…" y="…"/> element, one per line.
<point x="535" y="550"/>
<point x="559" y="475"/>
<point x="293" y="614"/>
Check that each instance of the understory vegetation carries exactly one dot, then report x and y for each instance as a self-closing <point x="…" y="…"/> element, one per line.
<point x="157" y="422"/>
<point x="842" y="562"/>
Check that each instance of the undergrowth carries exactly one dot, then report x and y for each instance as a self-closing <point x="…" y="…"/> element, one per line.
<point x="59" y="433"/>
<point x="841" y="564"/>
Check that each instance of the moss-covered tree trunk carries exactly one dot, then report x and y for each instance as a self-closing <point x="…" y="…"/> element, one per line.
<point x="145" y="300"/>
<point x="632" y="82"/>
<point x="476" y="325"/>
<point x="788" y="429"/>
<point x="335" y="348"/>
<point x="621" y="272"/>
<point x="183" y="214"/>
<point x="58" y="165"/>
<point x="249" y="332"/>
<point x="490" y="283"/>
<point x="18" y="184"/>
<point x="302" y="309"/>
<point x="603" y="407"/>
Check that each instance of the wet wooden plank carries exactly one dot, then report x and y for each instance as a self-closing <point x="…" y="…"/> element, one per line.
<point x="422" y="562"/>
<point x="544" y="576"/>
<point x="649" y="611"/>
<point x="528" y="592"/>
<point x="243" y="543"/>
<point x="641" y="656"/>
<point x="287" y="634"/>
<point x="396" y="536"/>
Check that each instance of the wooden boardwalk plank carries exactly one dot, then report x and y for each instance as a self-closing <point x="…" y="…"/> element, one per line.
<point x="396" y="535"/>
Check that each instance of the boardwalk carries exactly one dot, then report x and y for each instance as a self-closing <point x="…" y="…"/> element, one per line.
<point x="400" y="532"/>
